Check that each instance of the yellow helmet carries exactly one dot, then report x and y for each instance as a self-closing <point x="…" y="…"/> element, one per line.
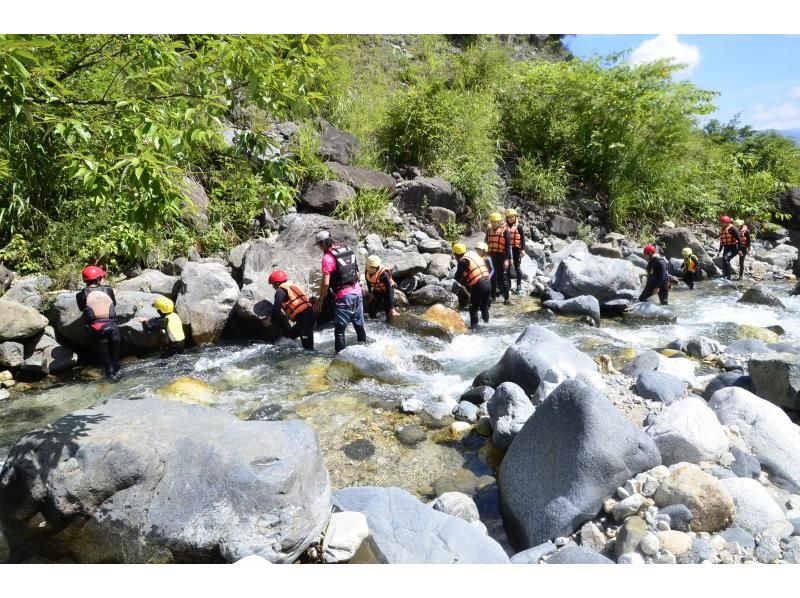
<point x="459" y="249"/>
<point x="511" y="212"/>
<point x="495" y="217"/>
<point x="686" y="251"/>
<point x="738" y="222"/>
<point x="164" y="305"/>
<point x="373" y="261"/>
<point x="482" y="246"/>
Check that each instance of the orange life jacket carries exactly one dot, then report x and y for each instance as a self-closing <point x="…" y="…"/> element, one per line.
<point x="476" y="270"/>
<point x="516" y="238"/>
<point x="297" y="301"/>
<point x="745" y="233"/>
<point x="690" y="263"/>
<point x="726" y="237"/>
<point x="496" y="239"/>
<point x="376" y="284"/>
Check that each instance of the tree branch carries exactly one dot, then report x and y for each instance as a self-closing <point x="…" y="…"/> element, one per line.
<point x="77" y="66"/>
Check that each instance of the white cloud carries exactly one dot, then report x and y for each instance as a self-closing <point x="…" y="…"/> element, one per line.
<point x="795" y="92"/>
<point x="667" y="46"/>
<point x="781" y="116"/>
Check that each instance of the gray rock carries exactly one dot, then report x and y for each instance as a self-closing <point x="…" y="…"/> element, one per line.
<point x="767" y="430"/>
<point x="431" y="246"/>
<point x="467" y="412"/>
<point x="644" y="362"/>
<point x="343" y="536"/>
<point x="356" y="362"/>
<point x="411" y="435"/>
<point x="29" y="290"/>
<point x="336" y="145"/>
<point x="509" y="409"/>
<point x="532" y="556"/>
<point x="614" y="307"/>
<point x="688" y="431"/>
<point x="404" y="530"/>
<point x="363" y="178"/>
<point x="747" y="346"/>
<point x="744" y="465"/>
<point x="606" y="250"/>
<point x="725" y="380"/>
<point x="776" y="378"/>
<point x="152" y="281"/>
<point x="756" y="511"/>
<point x="11" y="354"/>
<point x="791" y="551"/>
<point x="439" y="266"/>
<point x="629" y="535"/>
<point x="673" y="240"/>
<point x="627" y="507"/>
<point x="425" y="364"/>
<point x="562" y="226"/>
<point x="783" y="256"/>
<point x="477" y="395"/>
<point x="576" y="555"/>
<point x="162" y="481"/>
<point x="439" y="215"/>
<point x="630" y="558"/>
<point x="206" y="299"/>
<point x="538" y="361"/>
<point x="252" y="310"/>
<point x="430" y="294"/>
<point x="404" y="264"/>
<point x="46" y="356"/>
<point x="659" y="386"/>
<point x="18" y="321"/>
<point x="578" y="430"/>
<point x="6" y="278"/>
<point x="412" y="196"/>
<point x="760" y="295"/>
<point x="325" y="196"/>
<point x="680" y="516"/>
<point x="794" y="518"/>
<point x="602" y="277"/>
<point x="701" y="551"/>
<point x="549" y="294"/>
<point x="768" y="550"/>
<point x="741" y="536"/>
<point x="700" y="346"/>
<point x="583" y="305"/>
<point x="373" y="243"/>
<point x="457" y="504"/>
<point x="236" y="256"/>
<point x="576" y="248"/>
<point x="648" y="312"/>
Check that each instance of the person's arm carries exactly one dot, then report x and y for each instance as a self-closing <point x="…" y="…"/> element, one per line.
<point x="110" y="292"/>
<point x="489" y="265"/>
<point x="156" y="323"/>
<point x="460" y="269"/>
<point x="323" y="292"/>
<point x="280" y="297"/>
<point x="521" y="230"/>
<point x="80" y="297"/>
<point x="507" y="237"/>
<point x="387" y="281"/>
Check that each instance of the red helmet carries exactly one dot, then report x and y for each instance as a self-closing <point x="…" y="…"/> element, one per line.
<point x="90" y="273"/>
<point x="649" y="249"/>
<point x="725" y="219"/>
<point x="277" y="276"/>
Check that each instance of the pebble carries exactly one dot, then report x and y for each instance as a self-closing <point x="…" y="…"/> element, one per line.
<point x="561" y="541"/>
<point x="627" y="507"/>
<point x="664" y="557"/>
<point x="8" y="383"/>
<point x="768" y="551"/>
<point x="650" y="544"/>
<point x="609" y="504"/>
<point x="592" y="537"/>
<point x="718" y="542"/>
<point x="6" y="375"/>
<point x="633" y="487"/>
<point x="791" y="551"/>
<point x="410" y="435"/>
<point x="662" y="525"/>
<point x="622" y="493"/>
<point x="649" y="484"/>
<point x="631" y="558"/>
<point x="659" y="472"/>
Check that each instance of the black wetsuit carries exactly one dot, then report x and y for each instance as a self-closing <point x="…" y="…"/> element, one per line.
<point x="657" y="277"/>
<point x="106" y="339"/>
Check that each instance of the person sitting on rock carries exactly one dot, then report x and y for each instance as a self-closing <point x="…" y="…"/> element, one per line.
<point x="98" y="304"/>
<point x="381" y="288"/>
<point x="657" y="276"/>
<point x="516" y="237"/>
<point x="730" y="244"/>
<point x="690" y="263"/>
<point x="498" y="238"/>
<point x="292" y="314"/>
<point x="168" y="324"/>
<point x="473" y="274"/>
<point x="744" y="235"/>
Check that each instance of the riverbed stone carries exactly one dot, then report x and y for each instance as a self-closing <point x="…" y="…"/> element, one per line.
<point x="29" y="290"/>
<point x="680" y="516"/>
<point x="648" y="312"/>
<point x="577" y="555"/>
<point x="143" y="480"/>
<point x="439" y="265"/>
<point x="477" y="395"/>
<point x="756" y="511"/>
<point x="644" y="362"/>
<point x="585" y="305"/>
<point x="724" y="380"/>
<point x="404" y="530"/>
<point x="411" y="435"/>
<point x="659" y="386"/>
<point x="447" y="318"/>
<point x="673" y="240"/>
<point x="601" y="277"/>
<point x="783" y="256"/>
<point x="431" y="294"/>
<point x="760" y="295"/>
<point x="206" y="299"/>
<point x="457" y="504"/>
<point x="11" y="354"/>
<point x="688" y="431"/>
<point x="532" y="556"/>
<point x="711" y="504"/>
<point x="767" y="430"/>
<point x="575" y="430"/>
<point x="538" y="361"/>
<point x="776" y="378"/>
<point x="509" y="409"/>
<point x="343" y="537"/>
<point x="768" y="550"/>
<point x="18" y="321"/>
<point x="627" y="507"/>
<point x="152" y="281"/>
<point x="45" y="355"/>
<point x="421" y="326"/>
<point x="744" y="465"/>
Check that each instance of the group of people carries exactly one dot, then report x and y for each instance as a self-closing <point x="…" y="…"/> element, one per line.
<point x="734" y="240"/>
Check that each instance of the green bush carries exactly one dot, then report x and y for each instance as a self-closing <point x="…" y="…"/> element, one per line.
<point x="548" y="185"/>
<point x="368" y="211"/>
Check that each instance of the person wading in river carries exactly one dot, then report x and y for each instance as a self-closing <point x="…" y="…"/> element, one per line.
<point x="498" y="239"/>
<point x="340" y="276"/>
<point x="730" y="244"/>
<point x="381" y="288"/>
<point x="98" y="304"/>
<point x="168" y="324"/>
<point x="516" y="237"/>
<point x="473" y="274"/>
<point x="744" y="236"/>
<point x="292" y="314"/>
<point x="657" y="276"/>
<point x="690" y="263"/>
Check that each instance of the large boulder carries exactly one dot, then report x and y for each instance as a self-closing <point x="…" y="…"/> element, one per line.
<point x="724" y="380"/>
<point x="776" y="378"/>
<point x="145" y="480"/>
<point x="446" y="318"/>
<point x="573" y="249"/>
<point x="336" y="145"/>
<point x="439" y="265"/>
<point x="404" y="264"/>
<point x="361" y="178"/>
<point x="252" y="311"/>
<point x="760" y="295"/>
<point x="688" y="431"/>
<point x="767" y="430"/>
<point x="584" y="305"/>
<point x="603" y="277"/>
<point x="783" y="256"/>
<point x="404" y="530"/>
<point x="206" y="299"/>
<point x="673" y="240"/>
<point x="561" y="226"/>
<point x="29" y="290"/>
<point x="710" y="503"/>
<point x="572" y="453"/>
<point x="18" y="321"/>
<point x="644" y="311"/>
<point x="325" y="196"/>
<point x="421" y="326"/>
<point x="431" y="294"/>
<point x="413" y="195"/>
<point x="379" y="361"/>
<point x="538" y="361"/>
<point x="131" y="305"/>
<point x="44" y="355"/>
<point x="756" y="511"/>
<point x="509" y="409"/>
<point x="152" y="281"/>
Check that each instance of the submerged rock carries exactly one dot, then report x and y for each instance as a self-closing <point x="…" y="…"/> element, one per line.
<point x="421" y="326"/>
<point x="645" y="311"/>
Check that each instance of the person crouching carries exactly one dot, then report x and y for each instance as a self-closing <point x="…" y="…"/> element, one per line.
<point x="292" y="312"/>
<point x="381" y="288"/>
<point x="168" y="324"/>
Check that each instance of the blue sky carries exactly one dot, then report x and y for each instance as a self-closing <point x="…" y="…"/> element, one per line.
<point x="757" y="75"/>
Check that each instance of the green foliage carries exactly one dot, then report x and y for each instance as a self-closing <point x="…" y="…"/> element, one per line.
<point x="368" y="211"/>
<point x="18" y="252"/>
<point x="452" y="231"/>
<point x="547" y="185"/>
<point x="586" y="233"/>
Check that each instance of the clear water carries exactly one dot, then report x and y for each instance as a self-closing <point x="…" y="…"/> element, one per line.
<point x="283" y="381"/>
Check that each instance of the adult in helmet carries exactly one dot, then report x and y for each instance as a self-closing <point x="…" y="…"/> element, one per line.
<point x="473" y="274"/>
<point x="98" y="304"/>
<point x="498" y="239"/>
<point x="690" y="266"/>
<point x="381" y="288"/>
<point x="744" y="236"/>
<point x="482" y="249"/>
<point x="657" y="276"/>
<point x="168" y="324"/>
<point x="340" y="276"/>
<point x="516" y="238"/>
<point x="730" y="245"/>
<point x="292" y="312"/>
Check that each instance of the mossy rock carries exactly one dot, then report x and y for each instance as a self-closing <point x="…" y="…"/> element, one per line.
<point x="188" y="390"/>
<point x="447" y="318"/>
<point x="672" y="353"/>
<point x="757" y="333"/>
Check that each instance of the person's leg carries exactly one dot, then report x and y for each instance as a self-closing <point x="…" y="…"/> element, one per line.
<point x="341" y="320"/>
<point x="663" y="294"/>
<point x="387" y="306"/>
<point x="373" y="306"/>
<point x="484" y="290"/>
<point x="647" y="292"/>
<point x="474" y="306"/>
<point x="505" y="281"/>
<point x="103" y="352"/>
<point x="495" y="283"/>
<point x="741" y="264"/>
<point x="517" y="252"/>
<point x="114" y="346"/>
<point x="727" y="269"/>
<point x="688" y="278"/>
<point x="305" y="325"/>
<point x="356" y="303"/>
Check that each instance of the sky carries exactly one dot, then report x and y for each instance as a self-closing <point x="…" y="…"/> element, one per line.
<point x="756" y="75"/>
